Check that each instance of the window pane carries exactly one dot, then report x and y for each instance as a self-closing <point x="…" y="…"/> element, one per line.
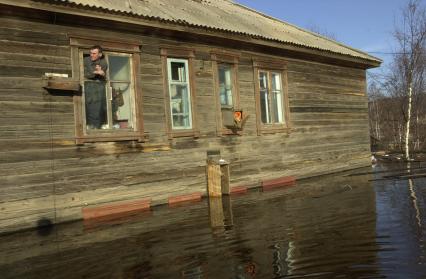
<point x="265" y="107"/>
<point x="225" y="85"/>
<point x="178" y="71"/>
<point x="265" y="110"/>
<point x="181" y="121"/>
<point x="121" y="106"/>
<point x="95" y="104"/>
<point x="277" y="98"/>
<point x="180" y="106"/>
<point x="263" y="80"/>
<point x="276" y="81"/>
<point x="278" y="106"/>
<point x="119" y="68"/>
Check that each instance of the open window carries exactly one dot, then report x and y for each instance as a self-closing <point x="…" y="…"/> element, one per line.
<point x="108" y="108"/>
<point x="113" y="106"/>
<point x="272" y="107"/>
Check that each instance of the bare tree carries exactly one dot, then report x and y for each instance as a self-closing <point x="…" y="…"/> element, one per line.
<point x="407" y="76"/>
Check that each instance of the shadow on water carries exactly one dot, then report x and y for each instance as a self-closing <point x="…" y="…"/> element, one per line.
<point x="350" y="225"/>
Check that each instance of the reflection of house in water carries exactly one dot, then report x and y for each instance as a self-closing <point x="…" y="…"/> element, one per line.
<point x="182" y="68"/>
<point x="328" y="228"/>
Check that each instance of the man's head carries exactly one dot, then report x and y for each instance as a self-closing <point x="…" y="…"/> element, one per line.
<point x="95" y="52"/>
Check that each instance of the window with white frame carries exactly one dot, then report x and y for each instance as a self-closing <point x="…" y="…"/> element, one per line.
<point x="271" y="98"/>
<point x="179" y="93"/>
<point x="225" y="75"/>
<point x="225" y="85"/>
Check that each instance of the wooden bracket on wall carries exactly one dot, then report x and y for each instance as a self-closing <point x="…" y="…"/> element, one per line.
<point x="62" y="85"/>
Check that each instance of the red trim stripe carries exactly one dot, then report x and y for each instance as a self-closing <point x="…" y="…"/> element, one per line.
<point x="123" y="208"/>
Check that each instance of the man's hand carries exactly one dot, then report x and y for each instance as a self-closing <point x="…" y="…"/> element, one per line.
<point x="99" y="71"/>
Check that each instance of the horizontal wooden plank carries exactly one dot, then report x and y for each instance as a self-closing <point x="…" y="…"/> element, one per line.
<point x="37" y="49"/>
<point x="30" y="59"/>
<point x="21" y="83"/>
<point x="32" y="70"/>
<point x="33" y="36"/>
<point x="32" y="95"/>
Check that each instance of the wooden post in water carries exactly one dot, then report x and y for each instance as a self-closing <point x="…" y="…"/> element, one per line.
<point x="227" y="211"/>
<point x="224" y="181"/>
<point x="214" y="179"/>
<point x="217" y="174"/>
<point x="217" y="217"/>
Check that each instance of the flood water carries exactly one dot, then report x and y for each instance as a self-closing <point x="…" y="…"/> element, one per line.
<point x="367" y="223"/>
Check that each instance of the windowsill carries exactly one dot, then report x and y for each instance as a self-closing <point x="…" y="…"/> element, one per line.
<point x="273" y="128"/>
<point x="183" y="133"/>
<point x="229" y="132"/>
<point x="108" y="135"/>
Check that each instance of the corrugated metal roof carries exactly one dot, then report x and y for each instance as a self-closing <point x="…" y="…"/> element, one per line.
<point x="224" y="15"/>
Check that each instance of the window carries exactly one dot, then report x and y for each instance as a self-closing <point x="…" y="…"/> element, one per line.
<point x="224" y="66"/>
<point x="225" y="85"/>
<point x="109" y="103"/>
<point x="180" y="96"/>
<point x="271" y="97"/>
<point x="179" y="92"/>
<point x="109" y="108"/>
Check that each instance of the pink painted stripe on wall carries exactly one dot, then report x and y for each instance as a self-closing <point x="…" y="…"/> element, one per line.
<point x="194" y="197"/>
<point x="278" y="182"/>
<point x="238" y="190"/>
<point x="129" y="207"/>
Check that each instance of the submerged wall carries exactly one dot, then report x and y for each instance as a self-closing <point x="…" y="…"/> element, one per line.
<point x="46" y="175"/>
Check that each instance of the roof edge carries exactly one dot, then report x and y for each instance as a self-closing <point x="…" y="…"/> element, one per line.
<point x="59" y="6"/>
<point x="312" y="33"/>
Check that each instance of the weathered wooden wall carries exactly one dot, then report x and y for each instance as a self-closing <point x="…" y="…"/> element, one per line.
<point x="45" y="175"/>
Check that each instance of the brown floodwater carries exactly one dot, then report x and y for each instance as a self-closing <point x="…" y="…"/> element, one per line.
<point x="367" y="223"/>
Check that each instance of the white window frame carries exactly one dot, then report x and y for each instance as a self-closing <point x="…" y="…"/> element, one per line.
<point x="187" y="84"/>
<point x="270" y="112"/>
<point x="229" y="67"/>
<point x="271" y="67"/>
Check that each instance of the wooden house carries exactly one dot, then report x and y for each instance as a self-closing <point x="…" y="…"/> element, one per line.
<point x="183" y="70"/>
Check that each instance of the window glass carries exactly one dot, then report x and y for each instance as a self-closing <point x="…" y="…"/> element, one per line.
<point x="225" y="85"/>
<point x="276" y="81"/>
<point x="119" y="67"/>
<point x="121" y="107"/>
<point x="265" y="110"/>
<point x="271" y="97"/>
<point x="263" y="79"/>
<point x="277" y="100"/>
<point x="180" y="98"/>
<point x="278" y="110"/>
<point x="178" y="71"/>
<point x="180" y="105"/>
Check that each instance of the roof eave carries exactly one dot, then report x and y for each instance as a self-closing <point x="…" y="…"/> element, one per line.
<point x="72" y="9"/>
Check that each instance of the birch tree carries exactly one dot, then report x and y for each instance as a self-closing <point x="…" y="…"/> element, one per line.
<point x="407" y="77"/>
